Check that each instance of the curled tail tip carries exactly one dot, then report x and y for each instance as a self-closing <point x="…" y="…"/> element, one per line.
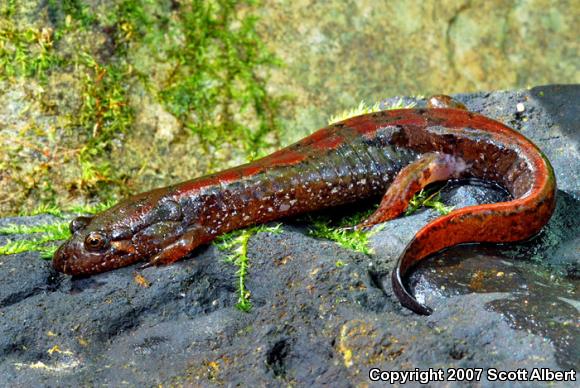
<point x="405" y="298"/>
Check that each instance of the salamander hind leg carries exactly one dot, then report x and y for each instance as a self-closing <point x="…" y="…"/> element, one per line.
<point x="429" y="168"/>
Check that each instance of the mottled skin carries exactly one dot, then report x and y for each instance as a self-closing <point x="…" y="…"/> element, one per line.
<point x="396" y="152"/>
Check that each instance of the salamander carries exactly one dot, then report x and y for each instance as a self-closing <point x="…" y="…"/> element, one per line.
<point x="394" y="153"/>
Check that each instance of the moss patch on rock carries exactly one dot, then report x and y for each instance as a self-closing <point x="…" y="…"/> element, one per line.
<point x="103" y="99"/>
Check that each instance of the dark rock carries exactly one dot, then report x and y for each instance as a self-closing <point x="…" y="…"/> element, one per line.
<point x="314" y="322"/>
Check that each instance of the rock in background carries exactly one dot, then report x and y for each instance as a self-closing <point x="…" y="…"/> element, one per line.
<point x="423" y="47"/>
<point x="322" y="315"/>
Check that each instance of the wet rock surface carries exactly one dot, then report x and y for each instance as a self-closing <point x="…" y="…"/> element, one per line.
<point x="313" y="321"/>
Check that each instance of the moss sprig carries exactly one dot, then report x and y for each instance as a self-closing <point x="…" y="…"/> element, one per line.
<point x="427" y="199"/>
<point x="48" y="234"/>
<point x="90" y="208"/>
<point x="44" y="208"/>
<point x="342" y="231"/>
<point x="364" y="108"/>
<point x="237" y="243"/>
<point x="26" y="52"/>
<point x="349" y="238"/>
<point x="58" y="231"/>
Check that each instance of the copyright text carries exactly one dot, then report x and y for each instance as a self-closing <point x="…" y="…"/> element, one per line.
<point x="425" y="376"/>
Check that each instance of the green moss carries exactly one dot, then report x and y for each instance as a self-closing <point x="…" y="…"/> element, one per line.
<point x="26" y="52"/>
<point x="363" y="108"/>
<point x="60" y="10"/>
<point x="45" y="208"/>
<point x="237" y="243"/>
<point x="8" y="8"/>
<point x="19" y="246"/>
<point x="103" y="115"/>
<point x="428" y="199"/>
<point x="201" y="60"/>
<point x="105" y="110"/>
<point x="73" y="208"/>
<point x="48" y="234"/>
<point x="58" y="231"/>
<point x="217" y="89"/>
<point x="342" y="230"/>
<point x="346" y="237"/>
<point x="90" y="208"/>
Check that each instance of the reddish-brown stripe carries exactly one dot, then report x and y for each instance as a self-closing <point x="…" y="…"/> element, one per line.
<point x="283" y="158"/>
<point x="330" y="143"/>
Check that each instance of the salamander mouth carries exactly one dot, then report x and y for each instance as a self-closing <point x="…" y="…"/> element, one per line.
<point x="66" y="265"/>
<point x="68" y="260"/>
<point x="62" y="259"/>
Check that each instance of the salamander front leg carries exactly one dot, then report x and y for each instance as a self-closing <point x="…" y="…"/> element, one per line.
<point x="178" y="249"/>
<point x="431" y="167"/>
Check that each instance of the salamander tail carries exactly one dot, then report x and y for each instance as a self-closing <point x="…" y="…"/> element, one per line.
<point x="405" y="298"/>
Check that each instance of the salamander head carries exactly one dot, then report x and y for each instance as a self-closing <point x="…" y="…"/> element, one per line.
<point x="130" y="231"/>
<point x="91" y="249"/>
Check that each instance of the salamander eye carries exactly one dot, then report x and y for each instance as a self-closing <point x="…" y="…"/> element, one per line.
<point x="96" y="241"/>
